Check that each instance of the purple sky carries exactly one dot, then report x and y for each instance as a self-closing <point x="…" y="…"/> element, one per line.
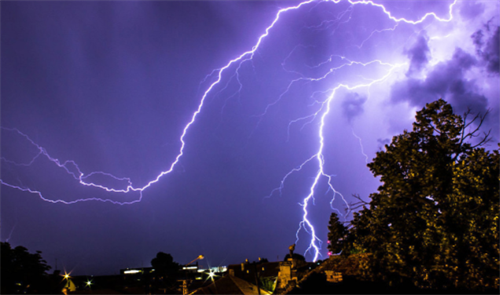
<point x="112" y="85"/>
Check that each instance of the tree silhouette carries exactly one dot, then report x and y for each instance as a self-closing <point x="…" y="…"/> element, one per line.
<point x="22" y="271"/>
<point x="165" y="271"/>
<point x="434" y="220"/>
<point x="336" y="234"/>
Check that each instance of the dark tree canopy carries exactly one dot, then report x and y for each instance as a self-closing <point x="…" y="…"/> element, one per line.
<point x="336" y="234"/>
<point x="434" y="219"/>
<point x="164" y="263"/>
<point x="22" y="271"/>
<point x="166" y="272"/>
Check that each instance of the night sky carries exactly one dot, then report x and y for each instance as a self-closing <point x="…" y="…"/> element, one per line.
<point x="112" y="86"/>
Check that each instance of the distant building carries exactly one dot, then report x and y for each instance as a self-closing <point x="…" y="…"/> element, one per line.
<point x="333" y="276"/>
<point x="231" y="285"/>
<point x="248" y="271"/>
<point x="287" y="275"/>
<point x="137" y="279"/>
<point x="270" y="277"/>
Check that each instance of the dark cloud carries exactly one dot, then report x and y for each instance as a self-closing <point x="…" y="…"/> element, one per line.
<point x="463" y="96"/>
<point x="446" y="81"/>
<point x="488" y="51"/>
<point x="352" y="105"/>
<point x="419" y="55"/>
<point x="491" y="51"/>
<point x="477" y="39"/>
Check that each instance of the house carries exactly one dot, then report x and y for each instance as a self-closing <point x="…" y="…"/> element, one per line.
<point x="230" y="284"/>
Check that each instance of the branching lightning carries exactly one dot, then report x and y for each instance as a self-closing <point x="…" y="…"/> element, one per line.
<point x="361" y="146"/>
<point x="315" y="242"/>
<point x="321" y="114"/>
<point x="81" y="177"/>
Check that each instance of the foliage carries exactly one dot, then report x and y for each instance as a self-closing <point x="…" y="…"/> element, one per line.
<point x="22" y="271"/>
<point x="336" y="234"/>
<point x="351" y="265"/>
<point x="164" y="263"/>
<point x="268" y="283"/>
<point x="166" y="271"/>
<point x="434" y="220"/>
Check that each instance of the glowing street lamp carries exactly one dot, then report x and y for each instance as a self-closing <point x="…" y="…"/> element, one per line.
<point x="200" y="257"/>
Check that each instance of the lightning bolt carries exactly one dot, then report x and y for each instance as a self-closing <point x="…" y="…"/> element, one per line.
<point x="305" y="223"/>
<point x="361" y="146"/>
<point x="325" y="106"/>
<point x="81" y="177"/>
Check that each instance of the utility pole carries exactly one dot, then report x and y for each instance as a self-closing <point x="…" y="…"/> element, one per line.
<point x="256" y="277"/>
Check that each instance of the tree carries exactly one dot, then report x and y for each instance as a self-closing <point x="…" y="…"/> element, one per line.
<point x="336" y="234"/>
<point x="434" y="220"/>
<point x="165" y="271"/>
<point x="164" y="263"/>
<point x="22" y="271"/>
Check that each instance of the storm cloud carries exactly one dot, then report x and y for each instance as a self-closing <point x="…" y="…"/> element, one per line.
<point x="491" y="51"/>
<point x="352" y="105"/>
<point x="419" y="55"/>
<point x="447" y="80"/>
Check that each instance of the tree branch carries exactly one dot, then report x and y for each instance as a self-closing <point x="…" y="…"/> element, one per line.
<point x="474" y="133"/>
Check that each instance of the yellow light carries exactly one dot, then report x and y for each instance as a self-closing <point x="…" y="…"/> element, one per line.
<point x="89" y="283"/>
<point x="201" y="257"/>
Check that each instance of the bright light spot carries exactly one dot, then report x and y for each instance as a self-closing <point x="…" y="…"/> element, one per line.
<point x="131" y="271"/>
<point x="211" y="274"/>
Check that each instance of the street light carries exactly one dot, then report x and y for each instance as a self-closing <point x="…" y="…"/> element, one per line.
<point x="200" y="257"/>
